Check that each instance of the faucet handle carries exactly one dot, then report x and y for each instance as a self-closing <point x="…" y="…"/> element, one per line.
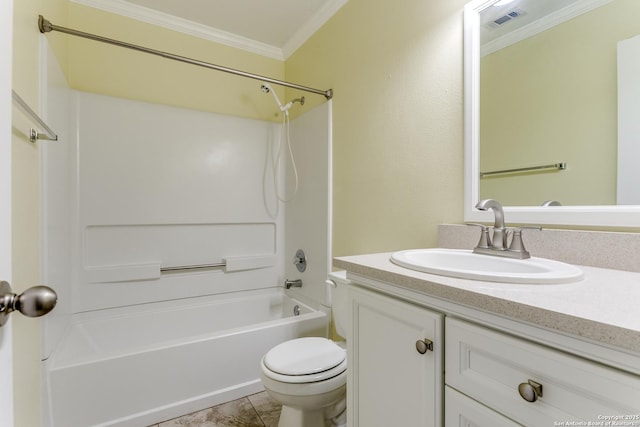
<point x="517" y="244"/>
<point x="485" y="238"/>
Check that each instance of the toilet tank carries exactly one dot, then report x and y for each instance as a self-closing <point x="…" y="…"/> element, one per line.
<point x="337" y="297"/>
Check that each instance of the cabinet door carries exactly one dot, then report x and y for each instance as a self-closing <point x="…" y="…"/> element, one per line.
<point x="390" y="383"/>
<point x="462" y="411"/>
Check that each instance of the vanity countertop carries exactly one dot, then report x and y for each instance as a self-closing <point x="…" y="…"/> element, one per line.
<point x="603" y="307"/>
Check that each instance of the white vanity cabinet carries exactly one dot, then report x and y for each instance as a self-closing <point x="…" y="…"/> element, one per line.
<point x="476" y="375"/>
<point x="395" y="358"/>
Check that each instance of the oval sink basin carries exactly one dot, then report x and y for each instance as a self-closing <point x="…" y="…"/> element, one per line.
<point x="465" y="264"/>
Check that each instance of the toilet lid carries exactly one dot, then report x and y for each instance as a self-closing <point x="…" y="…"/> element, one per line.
<point x="304" y="356"/>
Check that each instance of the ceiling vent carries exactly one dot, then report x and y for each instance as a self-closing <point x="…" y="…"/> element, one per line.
<point x="503" y="19"/>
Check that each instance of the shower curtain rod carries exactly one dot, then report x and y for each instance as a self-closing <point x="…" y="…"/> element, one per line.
<point x="46" y="26"/>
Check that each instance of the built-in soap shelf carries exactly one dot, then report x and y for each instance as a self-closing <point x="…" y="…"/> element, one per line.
<point x="155" y="270"/>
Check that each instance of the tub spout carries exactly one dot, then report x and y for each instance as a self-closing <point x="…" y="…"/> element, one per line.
<point x="288" y="284"/>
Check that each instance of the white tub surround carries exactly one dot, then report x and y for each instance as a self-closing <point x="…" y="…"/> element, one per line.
<point x="142" y="189"/>
<point x="161" y="187"/>
<point x="151" y="210"/>
<point x="136" y="366"/>
<point x="307" y="224"/>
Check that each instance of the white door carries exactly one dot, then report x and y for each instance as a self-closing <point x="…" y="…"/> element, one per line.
<point x="6" y="31"/>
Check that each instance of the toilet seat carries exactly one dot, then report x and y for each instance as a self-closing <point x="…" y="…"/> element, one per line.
<point x="304" y="360"/>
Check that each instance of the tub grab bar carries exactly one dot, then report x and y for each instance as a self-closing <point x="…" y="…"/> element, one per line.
<point x="193" y="267"/>
<point x="153" y="271"/>
<point x="229" y="264"/>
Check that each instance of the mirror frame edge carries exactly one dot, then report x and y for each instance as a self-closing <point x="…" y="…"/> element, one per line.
<point x="607" y="216"/>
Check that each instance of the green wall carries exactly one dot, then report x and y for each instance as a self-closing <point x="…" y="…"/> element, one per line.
<point x="396" y="68"/>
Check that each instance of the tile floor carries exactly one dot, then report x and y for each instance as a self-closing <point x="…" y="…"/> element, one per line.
<point x="256" y="410"/>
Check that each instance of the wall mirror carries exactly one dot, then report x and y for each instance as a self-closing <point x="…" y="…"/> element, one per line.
<point x="552" y="110"/>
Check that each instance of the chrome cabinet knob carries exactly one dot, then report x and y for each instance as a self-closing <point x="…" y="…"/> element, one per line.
<point x="34" y="302"/>
<point x="424" y="345"/>
<point x="530" y="391"/>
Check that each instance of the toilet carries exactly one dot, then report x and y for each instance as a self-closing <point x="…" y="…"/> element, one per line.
<point x="308" y="376"/>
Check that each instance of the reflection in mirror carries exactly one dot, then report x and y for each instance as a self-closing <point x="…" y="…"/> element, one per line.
<point x="551" y="83"/>
<point x="550" y="98"/>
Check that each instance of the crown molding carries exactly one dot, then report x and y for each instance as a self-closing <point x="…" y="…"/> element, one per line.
<point x="311" y="26"/>
<point x="540" y="25"/>
<point x="185" y="26"/>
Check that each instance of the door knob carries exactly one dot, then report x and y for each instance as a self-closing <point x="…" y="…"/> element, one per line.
<point x="34" y="302"/>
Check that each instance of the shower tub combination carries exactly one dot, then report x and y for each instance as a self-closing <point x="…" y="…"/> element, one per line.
<point x="138" y="365"/>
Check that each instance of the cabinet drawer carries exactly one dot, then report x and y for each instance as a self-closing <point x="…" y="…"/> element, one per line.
<point x="462" y="411"/>
<point x="489" y="366"/>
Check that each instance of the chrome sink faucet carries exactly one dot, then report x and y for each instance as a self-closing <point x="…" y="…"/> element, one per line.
<point x="499" y="231"/>
<point x="497" y="245"/>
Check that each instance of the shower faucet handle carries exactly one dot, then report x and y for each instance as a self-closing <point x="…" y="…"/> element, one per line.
<point x="300" y="260"/>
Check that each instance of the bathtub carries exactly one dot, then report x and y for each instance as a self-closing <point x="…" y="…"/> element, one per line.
<point x="136" y="366"/>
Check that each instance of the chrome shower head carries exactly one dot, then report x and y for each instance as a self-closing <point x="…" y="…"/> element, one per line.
<point x="266" y="88"/>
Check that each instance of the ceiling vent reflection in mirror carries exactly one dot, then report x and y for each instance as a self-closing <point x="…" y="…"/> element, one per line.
<point x="503" y="19"/>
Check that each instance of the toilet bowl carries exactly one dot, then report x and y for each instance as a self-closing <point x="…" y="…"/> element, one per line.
<point x="308" y="376"/>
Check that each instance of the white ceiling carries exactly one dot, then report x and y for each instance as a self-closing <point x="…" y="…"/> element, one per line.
<point x="274" y="28"/>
